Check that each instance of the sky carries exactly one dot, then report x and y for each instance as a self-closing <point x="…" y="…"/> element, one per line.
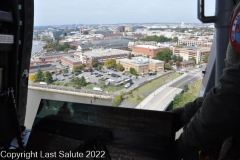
<point x="58" y="12"/>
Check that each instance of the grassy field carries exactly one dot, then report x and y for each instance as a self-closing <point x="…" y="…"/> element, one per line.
<point x="140" y="93"/>
<point x="190" y="95"/>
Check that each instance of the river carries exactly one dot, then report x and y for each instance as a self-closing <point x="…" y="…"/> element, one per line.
<point x="34" y="97"/>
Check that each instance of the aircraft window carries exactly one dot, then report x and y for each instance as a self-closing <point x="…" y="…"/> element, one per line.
<point x="92" y="26"/>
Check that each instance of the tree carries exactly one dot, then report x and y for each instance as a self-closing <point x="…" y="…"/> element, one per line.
<point x="32" y="77"/>
<point x="78" y="68"/>
<point x="167" y="66"/>
<point x="164" y="55"/>
<point x="94" y="64"/>
<point x="80" y="82"/>
<point x="194" y="61"/>
<point x="48" y="77"/>
<point x="179" y="58"/>
<point x="157" y="39"/>
<point x="99" y="67"/>
<point x="120" y="67"/>
<point x="117" y="100"/>
<point x="205" y="60"/>
<point x="66" y="71"/>
<point x="111" y="63"/>
<point x="178" y="64"/>
<point x="174" y="58"/>
<point x="170" y="62"/>
<point x="185" y="88"/>
<point x="175" y="39"/>
<point x="39" y="76"/>
<point x="133" y="71"/>
<point x="101" y="83"/>
<point x="176" y="101"/>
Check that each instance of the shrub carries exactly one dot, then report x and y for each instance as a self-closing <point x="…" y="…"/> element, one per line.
<point x="117" y="100"/>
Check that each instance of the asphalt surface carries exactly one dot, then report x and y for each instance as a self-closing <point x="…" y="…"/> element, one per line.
<point x="161" y="100"/>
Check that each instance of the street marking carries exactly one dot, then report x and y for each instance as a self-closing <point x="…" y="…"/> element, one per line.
<point x="166" y="95"/>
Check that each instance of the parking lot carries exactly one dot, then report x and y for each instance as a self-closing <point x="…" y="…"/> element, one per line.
<point x="111" y="77"/>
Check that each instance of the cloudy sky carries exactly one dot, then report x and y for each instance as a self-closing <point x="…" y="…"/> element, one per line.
<point x="57" y="12"/>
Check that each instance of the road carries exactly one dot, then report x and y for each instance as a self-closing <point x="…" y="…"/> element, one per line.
<point x="161" y="100"/>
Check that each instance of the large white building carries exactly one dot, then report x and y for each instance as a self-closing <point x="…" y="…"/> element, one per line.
<point x="151" y="43"/>
<point x="192" y="52"/>
<point x="193" y="42"/>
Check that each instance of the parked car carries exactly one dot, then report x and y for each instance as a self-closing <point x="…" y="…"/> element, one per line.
<point x="43" y="83"/>
<point x="127" y="85"/>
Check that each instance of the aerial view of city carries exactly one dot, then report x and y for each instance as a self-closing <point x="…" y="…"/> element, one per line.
<point x="130" y="64"/>
<point x="119" y="80"/>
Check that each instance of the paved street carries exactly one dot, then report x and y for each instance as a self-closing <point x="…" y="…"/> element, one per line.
<point x="163" y="96"/>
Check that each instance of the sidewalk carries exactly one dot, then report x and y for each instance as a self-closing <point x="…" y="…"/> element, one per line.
<point x="157" y="91"/>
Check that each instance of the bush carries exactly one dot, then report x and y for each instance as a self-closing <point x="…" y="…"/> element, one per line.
<point x="129" y="92"/>
<point x="117" y="100"/>
<point x="65" y="84"/>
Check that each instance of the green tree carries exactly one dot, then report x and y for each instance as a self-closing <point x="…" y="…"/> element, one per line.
<point x="175" y="39"/>
<point x="66" y="71"/>
<point x="48" y="77"/>
<point x="39" y="76"/>
<point x="133" y="71"/>
<point x="99" y="67"/>
<point x="79" y="82"/>
<point x="185" y="88"/>
<point x="101" y="83"/>
<point x="120" y="67"/>
<point x="177" y="100"/>
<point x="174" y="58"/>
<point x="78" y="68"/>
<point x="94" y="64"/>
<point x="205" y="60"/>
<point x="111" y="63"/>
<point x="157" y="39"/>
<point x="194" y="61"/>
<point x="164" y="55"/>
<point x="179" y="58"/>
<point x="167" y="66"/>
<point x="117" y="100"/>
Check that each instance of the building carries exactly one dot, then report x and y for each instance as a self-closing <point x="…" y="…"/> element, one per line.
<point x="70" y="61"/>
<point x="142" y="65"/>
<point x="128" y="29"/>
<point x="121" y="28"/>
<point x="193" y="42"/>
<point x="192" y="52"/>
<point x="188" y="63"/>
<point x="151" y="43"/>
<point x="146" y="50"/>
<point x="100" y="55"/>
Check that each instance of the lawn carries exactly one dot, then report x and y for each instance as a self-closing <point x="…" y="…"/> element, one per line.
<point x="190" y="95"/>
<point x="110" y="89"/>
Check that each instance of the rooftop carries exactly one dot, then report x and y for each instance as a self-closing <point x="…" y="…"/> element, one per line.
<point x="148" y="46"/>
<point x="102" y="52"/>
<point x="194" y="48"/>
<point x="140" y="61"/>
<point x="70" y="59"/>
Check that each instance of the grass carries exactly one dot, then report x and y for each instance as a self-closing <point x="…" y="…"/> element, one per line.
<point x="149" y="87"/>
<point x="135" y="98"/>
<point x="190" y="95"/>
<point x="153" y="85"/>
<point x="108" y="88"/>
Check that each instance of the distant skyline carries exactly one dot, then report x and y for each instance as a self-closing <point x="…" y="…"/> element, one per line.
<point x="59" y="12"/>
